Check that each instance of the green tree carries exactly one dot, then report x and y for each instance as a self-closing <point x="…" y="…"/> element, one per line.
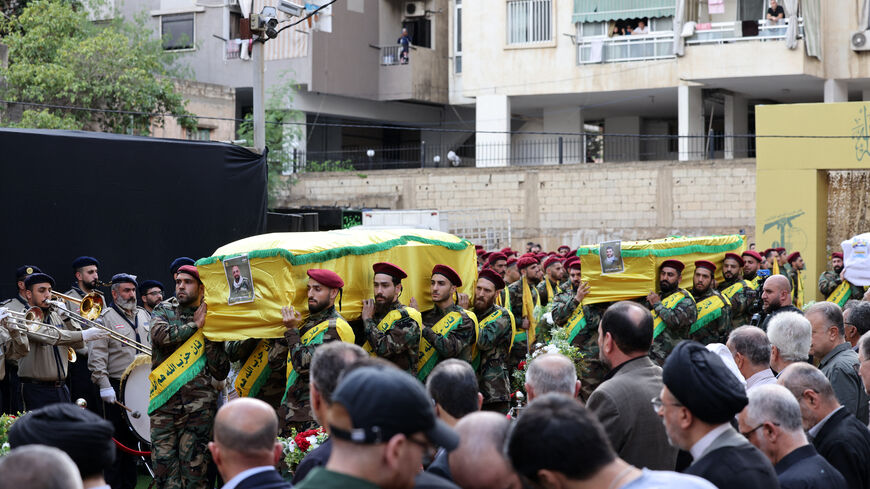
<point x="58" y="57"/>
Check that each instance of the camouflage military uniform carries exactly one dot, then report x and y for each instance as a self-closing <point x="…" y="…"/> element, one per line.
<point x="787" y="270"/>
<point x="717" y="330"/>
<point x="586" y="340"/>
<point x="829" y="281"/>
<point x="400" y="344"/>
<point x="494" y="343"/>
<point x="296" y="408"/>
<point x="182" y="427"/>
<point x="520" y="348"/>
<point x="542" y="290"/>
<point x="459" y="341"/>
<point x="677" y="323"/>
<point x="741" y="302"/>
<point x="272" y="390"/>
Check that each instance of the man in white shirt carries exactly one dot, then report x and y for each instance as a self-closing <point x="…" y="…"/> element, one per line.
<point x="245" y="447"/>
<point x="641" y="28"/>
<point x="751" y="351"/>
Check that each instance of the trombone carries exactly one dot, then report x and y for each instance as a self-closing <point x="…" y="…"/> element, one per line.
<point x="90" y="307"/>
<point x="22" y="321"/>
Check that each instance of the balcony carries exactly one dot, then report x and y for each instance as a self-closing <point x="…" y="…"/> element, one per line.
<point x="726" y="32"/>
<point x="656" y="45"/>
<point x="421" y="77"/>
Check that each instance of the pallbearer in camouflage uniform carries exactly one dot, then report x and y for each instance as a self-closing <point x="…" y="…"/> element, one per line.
<point x="392" y="329"/>
<point x="713" y="322"/>
<point x="752" y="261"/>
<point x="554" y="275"/>
<point x="497" y="329"/>
<point x="323" y="324"/>
<point x="795" y="276"/>
<point x="182" y="414"/>
<point x="673" y="311"/>
<point x="263" y="369"/>
<point x="738" y="291"/>
<point x="448" y="330"/>
<point x="523" y="299"/>
<point x="831" y="282"/>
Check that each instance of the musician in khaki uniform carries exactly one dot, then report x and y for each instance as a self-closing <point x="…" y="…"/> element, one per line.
<point x="13" y="343"/>
<point x="87" y="277"/>
<point x="10" y="385"/>
<point x="43" y="372"/>
<point x="108" y="359"/>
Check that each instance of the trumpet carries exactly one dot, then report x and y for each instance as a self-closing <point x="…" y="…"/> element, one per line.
<point x="22" y="321"/>
<point x="90" y="307"/>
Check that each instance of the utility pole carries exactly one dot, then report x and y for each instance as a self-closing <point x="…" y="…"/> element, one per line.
<point x="258" y="56"/>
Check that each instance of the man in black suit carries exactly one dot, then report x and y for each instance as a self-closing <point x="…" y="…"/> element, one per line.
<point x="245" y="447"/>
<point x="772" y="422"/>
<point x="621" y="402"/>
<point x="836" y="433"/>
<point x="699" y="399"/>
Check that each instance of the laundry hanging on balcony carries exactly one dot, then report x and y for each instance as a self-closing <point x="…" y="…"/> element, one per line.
<point x="607" y="10"/>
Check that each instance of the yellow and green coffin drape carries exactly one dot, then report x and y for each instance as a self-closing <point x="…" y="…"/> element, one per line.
<point x="279" y="261"/>
<point x="642" y="260"/>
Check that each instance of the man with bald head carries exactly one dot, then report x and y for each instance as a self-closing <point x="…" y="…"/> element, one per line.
<point x="479" y="461"/>
<point x="552" y="372"/>
<point x="245" y="447"/>
<point x="776" y="298"/>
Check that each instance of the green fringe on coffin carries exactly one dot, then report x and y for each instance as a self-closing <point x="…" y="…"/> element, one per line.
<point x="667" y="252"/>
<point x="335" y="253"/>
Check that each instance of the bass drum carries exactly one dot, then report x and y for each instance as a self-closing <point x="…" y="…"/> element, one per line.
<point x="135" y="395"/>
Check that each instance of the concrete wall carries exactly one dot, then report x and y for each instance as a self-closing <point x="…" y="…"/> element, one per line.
<point x="574" y="204"/>
<point x="204" y="99"/>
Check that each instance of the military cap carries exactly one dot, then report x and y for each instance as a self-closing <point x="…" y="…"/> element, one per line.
<point x="526" y="261"/>
<point x="326" y="277"/>
<point x="768" y="251"/>
<point x="150" y="284"/>
<point x="26" y="270"/>
<point x="478" y="247"/>
<point x="551" y="261"/>
<point x="573" y="263"/>
<point x="178" y="262"/>
<point x="492" y="276"/>
<point x="449" y="273"/>
<point x="780" y="250"/>
<point x="539" y="256"/>
<point x="38" y="278"/>
<point x="512" y="261"/>
<point x="836" y="254"/>
<point x="699" y="379"/>
<point x="675" y="264"/>
<point x="389" y="269"/>
<point x="735" y="257"/>
<point x="496" y="256"/>
<point x="705" y="264"/>
<point x="190" y="270"/>
<point x="120" y="278"/>
<point x="480" y="251"/>
<point x="85" y="261"/>
<point x="793" y="256"/>
<point x="565" y="247"/>
<point x="753" y="254"/>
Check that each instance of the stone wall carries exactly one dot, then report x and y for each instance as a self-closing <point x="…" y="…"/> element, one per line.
<point x="573" y="204"/>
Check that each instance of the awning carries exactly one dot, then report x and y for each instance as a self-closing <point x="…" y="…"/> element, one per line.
<point x="606" y="10"/>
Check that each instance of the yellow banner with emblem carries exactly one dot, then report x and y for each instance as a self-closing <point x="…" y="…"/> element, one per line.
<point x="255" y="371"/>
<point x="428" y="355"/>
<point x="314" y="336"/>
<point x="183" y="364"/>
<point x="709" y="310"/>
<point x="576" y="322"/>
<point x="390" y="319"/>
<point x="841" y="294"/>
<point x="668" y="302"/>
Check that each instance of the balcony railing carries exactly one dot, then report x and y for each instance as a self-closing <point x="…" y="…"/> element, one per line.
<point x="392" y="55"/>
<point x="724" y="32"/>
<point x="656" y="45"/>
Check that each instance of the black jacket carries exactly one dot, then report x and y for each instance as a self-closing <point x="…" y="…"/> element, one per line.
<point x="732" y="463"/>
<point x="315" y="458"/>
<point x="845" y="444"/>
<point x="804" y="468"/>
<point x="269" y="479"/>
<point x="767" y="317"/>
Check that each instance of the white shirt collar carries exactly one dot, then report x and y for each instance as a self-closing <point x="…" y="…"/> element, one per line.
<point x="232" y="483"/>
<point x="701" y="445"/>
<point x="818" y="427"/>
<point x="760" y="378"/>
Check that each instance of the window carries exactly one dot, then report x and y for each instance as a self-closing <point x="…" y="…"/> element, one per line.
<point x="529" y="21"/>
<point x="177" y="31"/>
<point x="457" y="39"/>
<point x="199" y="134"/>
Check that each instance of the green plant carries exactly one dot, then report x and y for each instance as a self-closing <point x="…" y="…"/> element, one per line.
<point x="329" y="165"/>
<point x="558" y="343"/>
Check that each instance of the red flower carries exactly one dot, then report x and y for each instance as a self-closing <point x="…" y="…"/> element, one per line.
<point x="522" y="365"/>
<point x="302" y="438"/>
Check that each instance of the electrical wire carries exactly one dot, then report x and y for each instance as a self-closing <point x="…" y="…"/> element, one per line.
<point x="318" y="9"/>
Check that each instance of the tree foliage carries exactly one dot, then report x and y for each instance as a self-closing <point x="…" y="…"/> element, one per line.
<point x="58" y="57"/>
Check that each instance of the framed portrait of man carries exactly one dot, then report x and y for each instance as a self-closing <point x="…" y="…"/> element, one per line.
<point x="610" y="253"/>
<point x="239" y="279"/>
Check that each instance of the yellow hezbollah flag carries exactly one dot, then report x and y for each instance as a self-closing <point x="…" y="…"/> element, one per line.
<point x="278" y="263"/>
<point x="641" y="261"/>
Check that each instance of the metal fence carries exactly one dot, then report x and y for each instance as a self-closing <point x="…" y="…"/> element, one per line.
<point x="490" y="228"/>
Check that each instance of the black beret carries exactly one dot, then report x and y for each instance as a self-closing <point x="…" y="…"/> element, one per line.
<point x="150" y="284"/>
<point x="84" y="436"/>
<point x="84" y="261"/>
<point x="124" y="278"/>
<point x="26" y="270"/>
<point x="699" y="379"/>
<point x="38" y="278"/>
<point x="179" y="262"/>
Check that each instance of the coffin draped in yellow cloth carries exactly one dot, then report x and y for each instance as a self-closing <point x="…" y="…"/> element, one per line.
<point x="642" y="259"/>
<point x="279" y="261"/>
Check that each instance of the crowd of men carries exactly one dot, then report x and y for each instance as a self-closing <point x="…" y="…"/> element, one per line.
<point x="698" y="355"/>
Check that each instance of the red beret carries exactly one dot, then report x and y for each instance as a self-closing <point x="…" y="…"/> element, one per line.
<point x="492" y="276"/>
<point x="540" y="255"/>
<point x="705" y="264"/>
<point x="529" y="254"/>
<point x="837" y="254"/>
<point x="506" y="250"/>
<point x="735" y="257"/>
<point x="526" y="261"/>
<point x="564" y="246"/>
<point x="780" y="250"/>
<point x="448" y="273"/>
<point x="573" y="263"/>
<point x="767" y="251"/>
<point x="753" y="254"/>
<point x="551" y="261"/>
<point x="389" y="269"/>
<point x="478" y="247"/>
<point x="480" y="251"/>
<point x="190" y="270"/>
<point x="494" y="257"/>
<point x="675" y="264"/>
<point x="793" y="256"/>
<point x="512" y="261"/>
<point x="327" y="278"/>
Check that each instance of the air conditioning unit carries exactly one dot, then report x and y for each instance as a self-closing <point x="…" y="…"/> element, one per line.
<point x="860" y="41"/>
<point x="415" y="9"/>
